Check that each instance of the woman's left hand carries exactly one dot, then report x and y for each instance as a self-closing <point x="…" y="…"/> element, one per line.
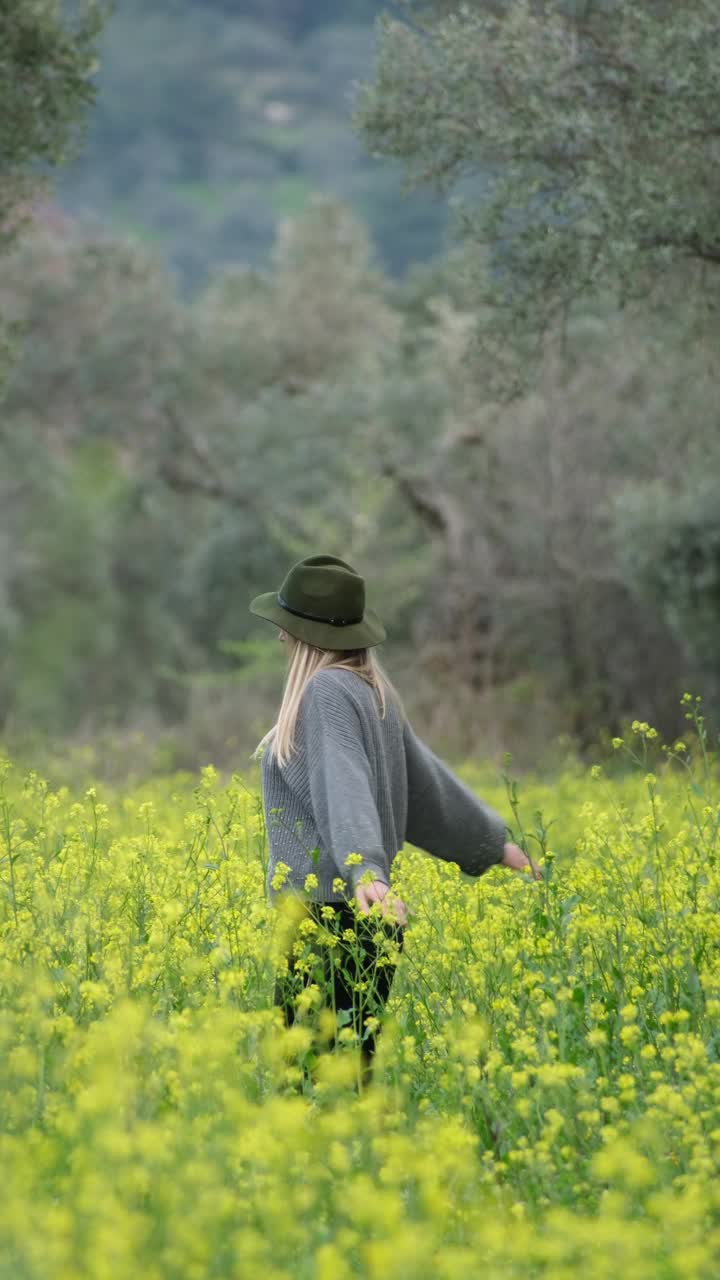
<point x="517" y="860"/>
<point x="390" y="904"/>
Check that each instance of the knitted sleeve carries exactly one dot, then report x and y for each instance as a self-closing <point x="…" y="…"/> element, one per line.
<point x="340" y="780"/>
<point x="445" y="818"/>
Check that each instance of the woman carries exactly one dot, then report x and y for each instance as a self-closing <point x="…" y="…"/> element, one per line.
<point x="345" y="784"/>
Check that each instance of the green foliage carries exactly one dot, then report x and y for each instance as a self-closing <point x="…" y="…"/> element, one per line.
<point x="161" y="461"/>
<point x="296" y="17"/>
<point x="85" y="584"/>
<point x="47" y="59"/>
<point x="212" y="125"/>
<point x="91" y="597"/>
<point x="593" y="125"/>
<point x="669" y="540"/>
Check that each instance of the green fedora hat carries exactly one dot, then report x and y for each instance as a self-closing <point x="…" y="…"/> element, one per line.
<point x="322" y="601"/>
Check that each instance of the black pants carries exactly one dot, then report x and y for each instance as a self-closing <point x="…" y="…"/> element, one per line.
<point x="351" y="976"/>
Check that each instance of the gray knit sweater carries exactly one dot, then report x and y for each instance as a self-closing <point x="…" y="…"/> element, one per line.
<point x="361" y="784"/>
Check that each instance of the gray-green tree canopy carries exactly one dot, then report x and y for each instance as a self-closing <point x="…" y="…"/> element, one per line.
<point x="47" y="57"/>
<point x="593" y="125"/>
<point x="580" y="140"/>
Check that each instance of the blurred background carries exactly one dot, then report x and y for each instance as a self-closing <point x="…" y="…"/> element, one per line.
<point x="217" y="119"/>
<point x="429" y="286"/>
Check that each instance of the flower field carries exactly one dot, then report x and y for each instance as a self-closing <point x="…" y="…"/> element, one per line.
<point x="547" y="1095"/>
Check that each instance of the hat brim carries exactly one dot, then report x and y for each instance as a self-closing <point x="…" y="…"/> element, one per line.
<point x="361" y="635"/>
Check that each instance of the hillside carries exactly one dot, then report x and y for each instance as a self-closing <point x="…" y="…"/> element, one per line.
<point x="214" y="121"/>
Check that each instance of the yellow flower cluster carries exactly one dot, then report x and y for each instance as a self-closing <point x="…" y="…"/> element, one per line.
<point x="547" y="1090"/>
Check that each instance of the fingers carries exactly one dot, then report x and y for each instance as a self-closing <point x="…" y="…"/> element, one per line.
<point x="536" y="872"/>
<point x="395" y="908"/>
<point x="362" y="898"/>
<point x="516" y="858"/>
<point x="378" y="892"/>
<point x="367" y="894"/>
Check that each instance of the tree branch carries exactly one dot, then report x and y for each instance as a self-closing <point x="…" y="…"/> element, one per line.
<point x="208" y="482"/>
<point x="428" y="510"/>
<point x="440" y="513"/>
<point x="691" y="244"/>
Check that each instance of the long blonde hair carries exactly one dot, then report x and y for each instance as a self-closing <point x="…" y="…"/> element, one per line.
<point x="304" y="660"/>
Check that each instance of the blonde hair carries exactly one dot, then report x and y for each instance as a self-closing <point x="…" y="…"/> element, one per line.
<point x="304" y="660"/>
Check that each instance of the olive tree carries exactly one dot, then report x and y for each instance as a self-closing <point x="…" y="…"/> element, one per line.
<point x="590" y="129"/>
<point x="47" y="59"/>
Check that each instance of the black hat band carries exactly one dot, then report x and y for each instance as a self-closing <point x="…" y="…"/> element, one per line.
<point x="314" y="617"/>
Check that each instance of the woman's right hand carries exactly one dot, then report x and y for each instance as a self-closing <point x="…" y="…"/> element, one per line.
<point x="390" y="905"/>
<point x="514" y="858"/>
